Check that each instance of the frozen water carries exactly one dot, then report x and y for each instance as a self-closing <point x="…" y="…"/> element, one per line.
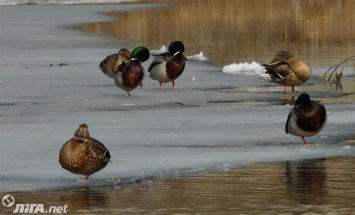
<point x="50" y="83"/>
<point x="62" y="2"/>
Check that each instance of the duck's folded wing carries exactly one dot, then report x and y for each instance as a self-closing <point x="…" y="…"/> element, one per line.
<point x="287" y="121"/>
<point x="98" y="150"/>
<point x="158" y="60"/>
<point x="279" y="70"/>
<point x="108" y="59"/>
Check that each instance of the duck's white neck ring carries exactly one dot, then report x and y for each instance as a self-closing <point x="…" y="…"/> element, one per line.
<point x="176" y="53"/>
<point x="134" y="59"/>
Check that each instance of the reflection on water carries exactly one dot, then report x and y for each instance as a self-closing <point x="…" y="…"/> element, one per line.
<point x="320" y="186"/>
<point x="306" y="180"/>
<point x="228" y="31"/>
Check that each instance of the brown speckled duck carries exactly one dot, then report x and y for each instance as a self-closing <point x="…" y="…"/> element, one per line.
<point x="167" y="67"/>
<point x="286" y="70"/>
<point x="131" y="74"/>
<point x="82" y="154"/>
<point x="306" y="119"/>
<point x="110" y="64"/>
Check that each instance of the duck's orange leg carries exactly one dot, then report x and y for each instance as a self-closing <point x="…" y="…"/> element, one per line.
<point x="293" y="89"/>
<point x="304" y="141"/>
<point x="161" y="86"/>
<point x="141" y="85"/>
<point x="174" y="88"/>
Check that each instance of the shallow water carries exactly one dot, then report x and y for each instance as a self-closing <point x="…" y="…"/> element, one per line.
<point x="230" y="31"/>
<point x="316" y="186"/>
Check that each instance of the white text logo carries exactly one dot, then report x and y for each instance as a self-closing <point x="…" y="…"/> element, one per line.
<point x="9" y="201"/>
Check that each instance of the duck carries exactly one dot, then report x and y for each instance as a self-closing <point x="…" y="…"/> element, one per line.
<point x="286" y="70"/>
<point x="168" y="66"/>
<point x="83" y="154"/>
<point x="307" y="118"/>
<point x="110" y="64"/>
<point x="131" y="74"/>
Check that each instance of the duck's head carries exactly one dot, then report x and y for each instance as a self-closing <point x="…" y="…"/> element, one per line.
<point x="281" y="57"/>
<point x="124" y="53"/>
<point x="177" y="47"/>
<point x="304" y="98"/>
<point x="141" y="53"/>
<point x="82" y="134"/>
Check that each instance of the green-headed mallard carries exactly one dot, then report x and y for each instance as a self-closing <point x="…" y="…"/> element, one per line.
<point x="82" y="154"/>
<point x="286" y="70"/>
<point x="168" y="66"/>
<point x="306" y="119"/>
<point x="131" y="74"/>
<point x="110" y="64"/>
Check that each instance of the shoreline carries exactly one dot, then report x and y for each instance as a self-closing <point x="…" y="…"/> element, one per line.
<point x="270" y="180"/>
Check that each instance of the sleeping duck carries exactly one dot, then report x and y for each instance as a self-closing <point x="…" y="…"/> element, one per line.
<point x="82" y="154"/>
<point x="306" y="119"/>
<point x="110" y="64"/>
<point x="286" y="70"/>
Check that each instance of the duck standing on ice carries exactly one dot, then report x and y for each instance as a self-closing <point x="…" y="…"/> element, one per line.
<point x="131" y="74"/>
<point x="110" y="64"/>
<point x="306" y="119"/>
<point x="286" y="70"/>
<point x="82" y="154"/>
<point x="167" y="67"/>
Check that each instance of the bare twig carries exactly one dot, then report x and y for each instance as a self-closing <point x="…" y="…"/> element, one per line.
<point x="328" y="71"/>
<point x="336" y="67"/>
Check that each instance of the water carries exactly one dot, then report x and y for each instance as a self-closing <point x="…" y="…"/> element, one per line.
<point x="315" y="186"/>
<point x="232" y="31"/>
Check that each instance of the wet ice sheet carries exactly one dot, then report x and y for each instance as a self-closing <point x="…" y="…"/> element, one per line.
<point x="50" y="83"/>
<point x="55" y="2"/>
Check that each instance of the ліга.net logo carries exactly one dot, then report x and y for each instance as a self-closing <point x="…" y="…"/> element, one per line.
<point x="9" y="201"/>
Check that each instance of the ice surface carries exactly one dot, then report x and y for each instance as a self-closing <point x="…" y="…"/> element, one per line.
<point x="62" y="2"/>
<point x="50" y="83"/>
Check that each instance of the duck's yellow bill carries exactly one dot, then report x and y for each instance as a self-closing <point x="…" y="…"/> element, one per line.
<point x="183" y="54"/>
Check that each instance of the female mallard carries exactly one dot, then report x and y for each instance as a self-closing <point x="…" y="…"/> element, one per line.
<point x="168" y="66"/>
<point x="131" y="74"/>
<point x="306" y="119"/>
<point x="286" y="70"/>
<point x="110" y="64"/>
<point x="82" y="154"/>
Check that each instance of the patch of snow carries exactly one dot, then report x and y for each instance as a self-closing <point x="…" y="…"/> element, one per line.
<point x="244" y="68"/>
<point x="198" y="57"/>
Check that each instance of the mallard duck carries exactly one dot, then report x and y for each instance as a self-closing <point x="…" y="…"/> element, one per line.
<point x="82" y="154"/>
<point x="167" y="67"/>
<point x="110" y="64"/>
<point x="286" y="70"/>
<point x="306" y="119"/>
<point x="131" y="74"/>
